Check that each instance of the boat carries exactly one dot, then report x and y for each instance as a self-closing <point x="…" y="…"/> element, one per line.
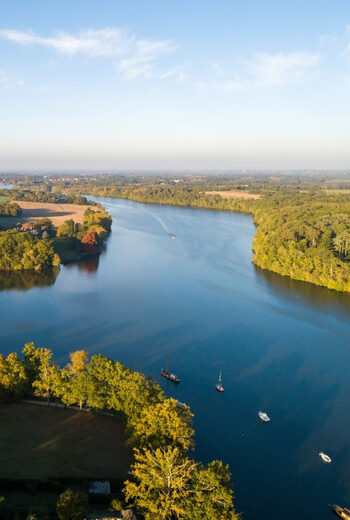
<point x="173" y="236"/>
<point x="325" y="457"/>
<point x="218" y="385"/>
<point x="263" y="416"/>
<point x="170" y="376"/>
<point x="342" y="512"/>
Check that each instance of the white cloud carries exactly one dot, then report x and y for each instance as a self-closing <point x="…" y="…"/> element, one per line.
<point x="268" y="70"/>
<point x="134" y="57"/>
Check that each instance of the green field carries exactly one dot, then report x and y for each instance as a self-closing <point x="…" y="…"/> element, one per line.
<point x="37" y="442"/>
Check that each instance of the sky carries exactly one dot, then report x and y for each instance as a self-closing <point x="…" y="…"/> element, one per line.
<point x="160" y="84"/>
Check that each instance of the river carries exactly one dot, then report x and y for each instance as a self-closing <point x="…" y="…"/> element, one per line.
<point x="282" y="347"/>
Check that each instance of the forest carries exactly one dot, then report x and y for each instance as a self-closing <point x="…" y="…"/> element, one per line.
<point x="165" y="481"/>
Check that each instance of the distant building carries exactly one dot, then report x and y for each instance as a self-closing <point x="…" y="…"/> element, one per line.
<point x="100" y="488"/>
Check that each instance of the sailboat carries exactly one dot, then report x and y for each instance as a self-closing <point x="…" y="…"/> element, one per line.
<point x="218" y="385"/>
<point x="169" y="375"/>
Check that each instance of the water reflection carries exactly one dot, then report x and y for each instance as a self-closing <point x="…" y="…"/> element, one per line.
<point x="313" y="295"/>
<point x="25" y="280"/>
<point x="89" y="266"/>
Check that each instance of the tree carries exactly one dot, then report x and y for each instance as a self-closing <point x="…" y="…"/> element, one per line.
<point x="162" y="483"/>
<point x="48" y="376"/>
<point x="13" y="379"/>
<point x="76" y="389"/>
<point x="78" y="360"/>
<point x="90" y="241"/>
<point x="212" y="495"/>
<point x="165" y="423"/>
<point x="72" y="505"/>
<point x="67" y="229"/>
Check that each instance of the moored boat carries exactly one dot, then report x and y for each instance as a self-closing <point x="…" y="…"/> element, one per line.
<point x="342" y="512"/>
<point x="325" y="457"/>
<point x="218" y="385"/>
<point x="263" y="416"/>
<point x="170" y="376"/>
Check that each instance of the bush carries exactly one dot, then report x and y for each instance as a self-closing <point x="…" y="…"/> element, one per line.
<point x="72" y="505"/>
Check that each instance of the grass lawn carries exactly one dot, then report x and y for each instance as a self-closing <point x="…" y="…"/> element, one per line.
<point x="37" y="442"/>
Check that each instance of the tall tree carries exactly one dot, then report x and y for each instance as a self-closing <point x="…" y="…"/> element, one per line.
<point x="162" y="483"/>
<point x="212" y="495"/>
<point x="165" y="423"/>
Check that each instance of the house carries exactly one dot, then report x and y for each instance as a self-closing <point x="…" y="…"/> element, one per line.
<point x="100" y="488"/>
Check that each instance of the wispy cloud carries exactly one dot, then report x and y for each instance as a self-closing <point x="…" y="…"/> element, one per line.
<point x="266" y="70"/>
<point x="134" y="57"/>
<point x="6" y="82"/>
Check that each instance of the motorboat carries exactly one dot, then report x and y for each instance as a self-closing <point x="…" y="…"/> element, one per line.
<point x="218" y="385"/>
<point x="325" y="457"/>
<point x="342" y="512"/>
<point x="170" y="376"/>
<point x="173" y="236"/>
<point x="263" y="416"/>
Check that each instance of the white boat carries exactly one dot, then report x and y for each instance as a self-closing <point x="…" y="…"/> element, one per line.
<point x="218" y="385"/>
<point x="325" y="457"/>
<point x="263" y="416"/>
<point x="173" y="236"/>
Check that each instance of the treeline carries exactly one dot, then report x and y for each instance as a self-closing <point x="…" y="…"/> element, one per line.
<point x="166" y="483"/>
<point x="40" y="195"/>
<point x="22" y="251"/>
<point x="9" y="209"/>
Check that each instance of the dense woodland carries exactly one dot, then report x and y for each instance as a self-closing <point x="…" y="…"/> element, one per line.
<point x="165" y="482"/>
<point x="303" y="224"/>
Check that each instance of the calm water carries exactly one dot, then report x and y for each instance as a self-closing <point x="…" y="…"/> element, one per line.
<point x="282" y="347"/>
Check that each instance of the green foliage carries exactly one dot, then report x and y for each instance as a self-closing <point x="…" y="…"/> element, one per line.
<point x="163" y="424"/>
<point x="116" y="505"/>
<point x="10" y="209"/>
<point x="13" y="377"/>
<point x="22" y="251"/>
<point x="212" y="495"/>
<point x="162" y="483"/>
<point x="97" y="218"/>
<point x="72" y="505"/>
<point x="67" y="229"/>
<point x="167" y="484"/>
<point x="44" y="225"/>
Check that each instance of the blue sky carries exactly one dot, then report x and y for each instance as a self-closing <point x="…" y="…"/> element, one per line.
<point x="174" y="84"/>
